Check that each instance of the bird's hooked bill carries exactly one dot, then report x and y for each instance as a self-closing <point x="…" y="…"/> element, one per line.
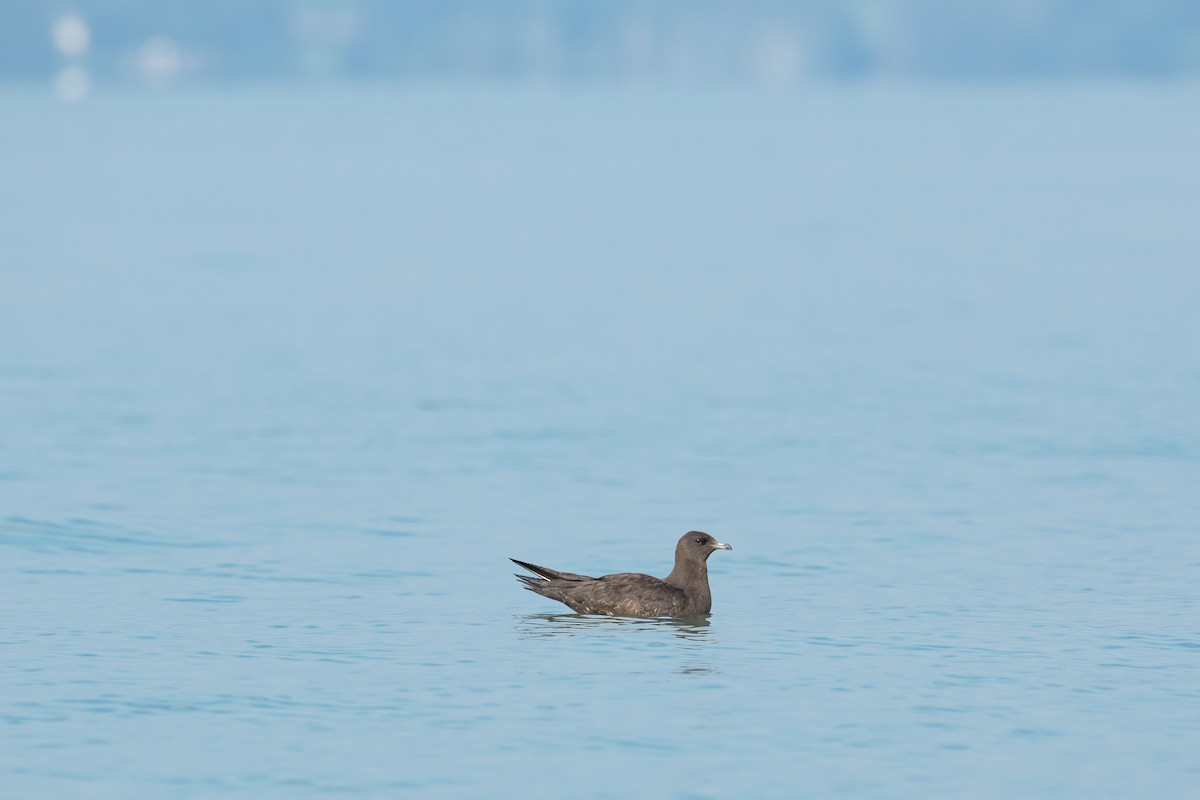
<point x="721" y="546"/>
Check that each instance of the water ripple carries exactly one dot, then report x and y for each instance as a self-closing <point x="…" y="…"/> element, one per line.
<point x="84" y="536"/>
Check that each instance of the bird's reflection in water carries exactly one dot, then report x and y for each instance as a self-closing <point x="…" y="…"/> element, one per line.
<point x="538" y="626"/>
<point x="689" y="633"/>
<point x="696" y="669"/>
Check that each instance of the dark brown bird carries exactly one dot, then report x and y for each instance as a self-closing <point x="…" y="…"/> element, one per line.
<point x="630" y="594"/>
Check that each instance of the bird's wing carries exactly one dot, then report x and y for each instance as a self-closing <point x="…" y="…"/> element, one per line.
<point x="626" y="594"/>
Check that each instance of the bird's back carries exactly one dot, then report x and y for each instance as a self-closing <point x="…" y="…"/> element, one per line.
<point x="624" y="594"/>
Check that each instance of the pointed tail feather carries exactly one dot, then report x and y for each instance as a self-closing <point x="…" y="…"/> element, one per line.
<point x="531" y="583"/>
<point x="543" y="572"/>
<point x="550" y="574"/>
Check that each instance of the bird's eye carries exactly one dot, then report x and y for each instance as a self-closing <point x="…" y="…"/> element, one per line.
<point x="700" y="540"/>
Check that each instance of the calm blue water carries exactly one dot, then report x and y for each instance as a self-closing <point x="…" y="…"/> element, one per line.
<point x="286" y="377"/>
